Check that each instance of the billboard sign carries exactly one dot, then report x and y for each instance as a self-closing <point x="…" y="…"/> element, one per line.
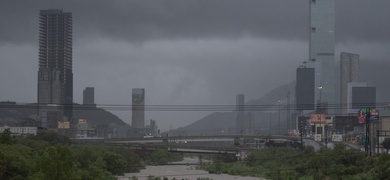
<point x="381" y="139"/>
<point x="371" y="112"/>
<point x="294" y="132"/>
<point x="91" y="133"/>
<point x="63" y="125"/>
<point x="317" y="137"/>
<point x="337" y="137"/>
<point x="374" y="115"/>
<point x="318" y="119"/>
<point x="82" y="120"/>
<point x="361" y="116"/>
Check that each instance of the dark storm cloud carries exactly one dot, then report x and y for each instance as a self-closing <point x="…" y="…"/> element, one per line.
<point x="200" y="19"/>
<point x="140" y="20"/>
<point x="363" y="21"/>
<point x="182" y="51"/>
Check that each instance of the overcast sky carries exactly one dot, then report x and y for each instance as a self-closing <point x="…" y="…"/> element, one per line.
<point x="183" y="52"/>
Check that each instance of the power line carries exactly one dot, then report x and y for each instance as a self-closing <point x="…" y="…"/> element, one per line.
<point x="186" y="107"/>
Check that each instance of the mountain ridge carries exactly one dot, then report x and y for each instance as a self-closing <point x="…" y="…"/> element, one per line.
<point x="266" y="120"/>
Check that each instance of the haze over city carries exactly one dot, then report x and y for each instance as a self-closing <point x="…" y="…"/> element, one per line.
<point x="182" y="52"/>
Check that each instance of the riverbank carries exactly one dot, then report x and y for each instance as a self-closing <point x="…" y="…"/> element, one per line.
<point x="181" y="172"/>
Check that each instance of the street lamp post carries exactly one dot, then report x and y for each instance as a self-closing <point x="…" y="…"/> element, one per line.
<point x="288" y="111"/>
<point x="345" y="138"/>
<point x="320" y="88"/>
<point x="319" y="106"/>
<point x="270" y="122"/>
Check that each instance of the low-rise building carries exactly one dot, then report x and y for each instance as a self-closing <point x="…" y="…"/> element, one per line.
<point x="18" y="131"/>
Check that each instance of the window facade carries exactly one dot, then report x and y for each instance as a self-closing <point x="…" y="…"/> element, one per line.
<point x="322" y="40"/>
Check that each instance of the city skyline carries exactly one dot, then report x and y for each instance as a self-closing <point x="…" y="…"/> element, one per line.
<point x="203" y="55"/>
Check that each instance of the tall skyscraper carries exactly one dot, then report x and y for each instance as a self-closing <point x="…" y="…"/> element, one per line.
<point x="304" y="88"/>
<point x="55" y="76"/>
<point x="349" y="72"/>
<point x="89" y="96"/>
<point x="138" y="108"/>
<point x="321" y="51"/>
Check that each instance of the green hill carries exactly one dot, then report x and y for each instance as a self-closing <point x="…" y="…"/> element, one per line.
<point x="13" y="114"/>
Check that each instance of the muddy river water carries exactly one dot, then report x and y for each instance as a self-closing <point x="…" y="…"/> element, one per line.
<point x="181" y="172"/>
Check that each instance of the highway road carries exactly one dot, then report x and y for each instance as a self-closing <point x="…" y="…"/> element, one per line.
<point x="314" y="144"/>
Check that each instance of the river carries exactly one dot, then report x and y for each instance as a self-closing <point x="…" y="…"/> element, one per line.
<point x="188" y="172"/>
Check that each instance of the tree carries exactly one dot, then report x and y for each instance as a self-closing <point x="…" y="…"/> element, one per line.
<point x="97" y="171"/>
<point x="133" y="160"/>
<point x="115" y="163"/>
<point x="86" y="155"/>
<point x="16" y="161"/>
<point x="386" y="144"/>
<point x="6" y="137"/>
<point x="160" y="157"/>
<point x="51" y="137"/>
<point x="57" y="162"/>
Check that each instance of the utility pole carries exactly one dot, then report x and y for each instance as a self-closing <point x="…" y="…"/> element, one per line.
<point x="371" y="116"/>
<point x="319" y="105"/>
<point x="367" y="139"/>
<point x="279" y="101"/>
<point x="326" y="136"/>
<point x="302" y="130"/>
<point x="288" y="111"/>
<point x="270" y="122"/>
<point x="372" y="138"/>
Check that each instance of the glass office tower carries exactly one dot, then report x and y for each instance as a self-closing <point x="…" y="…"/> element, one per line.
<point x="322" y="40"/>
<point x="349" y="72"/>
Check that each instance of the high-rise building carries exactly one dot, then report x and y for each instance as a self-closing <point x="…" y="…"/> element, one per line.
<point x="304" y="88"/>
<point x="349" y="72"/>
<point x="153" y="131"/>
<point x="361" y="95"/>
<point x="321" y="50"/>
<point x="55" y="76"/>
<point x="138" y="108"/>
<point x="89" y="96"/>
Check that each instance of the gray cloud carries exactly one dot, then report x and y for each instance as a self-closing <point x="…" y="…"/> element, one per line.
<point x="139" y="20"/>
<point x="183" y="51"/>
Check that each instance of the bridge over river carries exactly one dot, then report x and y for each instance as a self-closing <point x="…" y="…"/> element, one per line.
<point x="222" y="144"/>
